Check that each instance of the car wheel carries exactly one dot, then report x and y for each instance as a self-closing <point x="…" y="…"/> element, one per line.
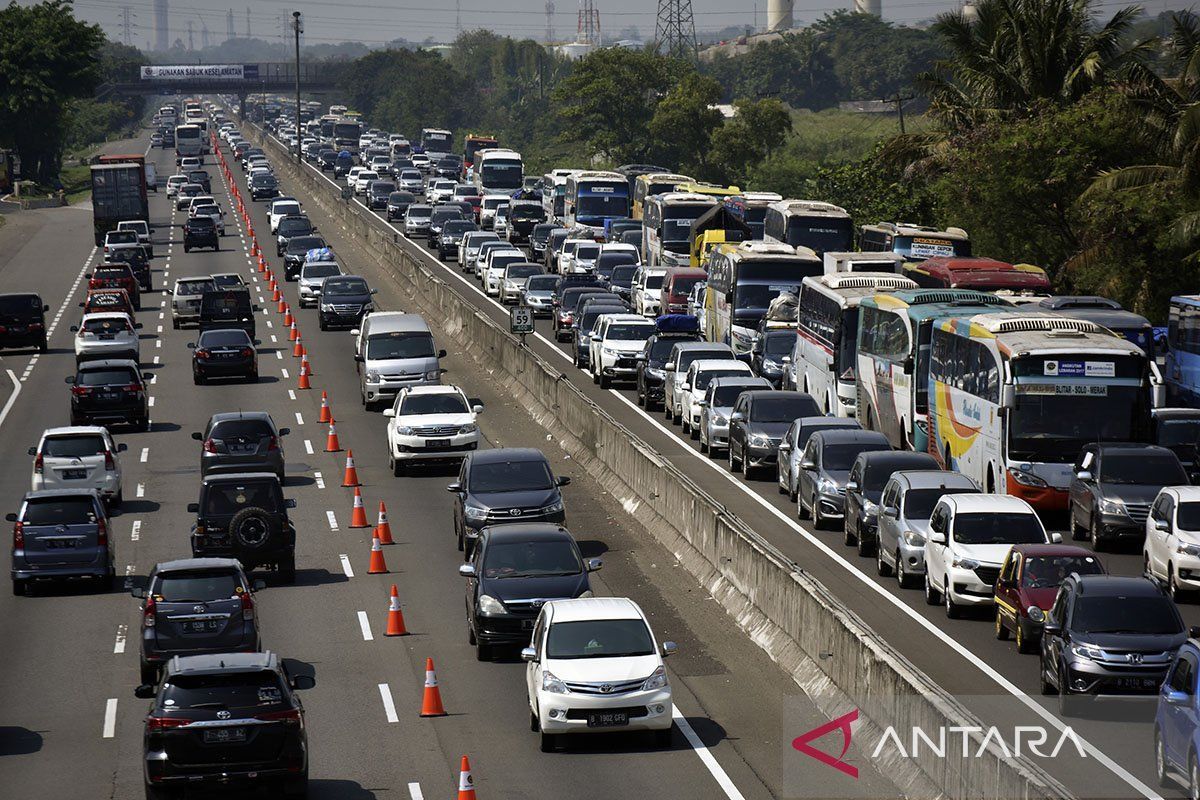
<point x="819" y="522"/>
<point x="20" y="588"/>
<point x="1044" y="685"/>
<point x="791" y="492"/>
<point x="703" y="445"/>
<point x="931" y="594"/>
<point x="198" y="379"/>
<point x="849" y="538"/>
<point x="296" y="787"/>
<point x="746" y="469"/>
<point x="148" y="673"/>
<point x="483" y="652"/>
<point x="321" y="325"/>
<point x="903" y="579"/>
<point x="187" y="249"/>
<point x="1024" y="643"/>
<point x="142" y="425"/>
<point x="881" y="567"/>
<point x="801" y="509"/>
<point x="1160" y="761"/>
<point x="1098" y="544"/>
<point x="534" y="725"/>
<point x="953" y="611"/>
<point x="175" y="324"/>
<point x="43" y="346"/>
<point x="549" y="742"/>
<point x="1177" y="594"/>
<point x="460" y="541"/>
<point x="397" y="467"/>
<point x="866" y="548"/>
<point x="733" y="462"/>
<point x="1078" y="533"/>
<point x="1066" y="701"/>
<point x="1000" y="630"/>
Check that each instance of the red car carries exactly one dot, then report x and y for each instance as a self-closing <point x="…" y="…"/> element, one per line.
<point x="99" y="300"/>
<point x="1028" y="584"/>
<point x="113" y="276"/>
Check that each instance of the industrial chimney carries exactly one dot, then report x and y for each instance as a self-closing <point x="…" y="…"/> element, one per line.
<point x="779" y="15"/>
<point x="869" y="7"/>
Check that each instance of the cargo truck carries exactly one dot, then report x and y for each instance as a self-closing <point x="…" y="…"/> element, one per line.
<point x="118" y="195"/>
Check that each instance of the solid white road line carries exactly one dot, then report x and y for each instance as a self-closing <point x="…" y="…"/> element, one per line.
<point x="110" y="718"/>
<point x="119" y="645"/>
<point x="347" y="570"/>
<point x="365" y="625"/>
<point x="389" y="705"/>
<point x="12" y="398"/>
<point x="145" y="455"/>
<point x="414" y="791"/>
<point x="714" y="768"/>
<point x="333" y="526"/>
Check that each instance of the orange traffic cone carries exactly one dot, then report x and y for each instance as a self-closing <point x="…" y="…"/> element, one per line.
<point x="377" y="565"/>
<point x="286" y="310"/>
<point x="276" y="297"/>
<point x="382" y="529"/>
<point x="293" y="334"/>
<point x="302" y="380"/>
<point x="326" y="414"/>
<point x="254" y="248"/>
<point x="466" y="784"/>
<point x="431" y="702"/>
<point x="331" y="440"/>
<point x="262" y="262"/>
<point x="298" y="348"/>
<point x="358" y="514"/>
<point x="250" y="233"/>
<point x="351" y="477"/>
<point x="395" y="625"/>
<point x="305" y="367"/>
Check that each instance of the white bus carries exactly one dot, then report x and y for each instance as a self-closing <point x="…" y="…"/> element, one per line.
<point x="337" y="111"/>
<point x="498" y="171"/>
<point x="437" y="141"/>
<point x="593" y="197"/>
<point x="554" y="192"/>
<point x="1014" y="397"/>
<point x="743" y="279"/>
<point x="667" y="227"/>
<point x="823" y="360"/>
<point x="809" y="223"/>
<point x="189" y="141"/>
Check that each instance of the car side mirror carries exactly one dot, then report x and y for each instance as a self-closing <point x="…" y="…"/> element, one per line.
<point x="69" y="379"/>
<point x="74" y="329"/>
<point x="198" y="436"/>
<point x="145" y="692"/>
<point x="594" y="564"/>
<point x="81" y="305"/>
<point x="1161" y="525"/>
<point x="466" y="570"/>
<point x="284" y="431"/>
<point x="808" y="464"/>
<point x="138" y="592"/>
<point x="1083" y="475"/>
<point x="358" y="357"/>
<point x="122" y="447"/>
<point x="1056" y="538"/>
<point x="529" y="654"/>
<point x="389" y="412"/>
<point x="137" y="326"/>
<point x="454" y="488"/>
<point x="441" y="354"/>
<point x="191" y="345"/>
<point x="86" y="275"/>
<point x="477" y="408"/>
<point x="289" y="502"/>
<point x="1051" y="628"/>
<point x="669" y="649"/>
<point x="562" y="480"/>
<point x="851" y="486"/>
<point x="302" y="682"/>
<point x="45" y="307"/>
<point x="355" y="332"/>
<point x="737" y="416"/>
<point x="1176" y="698"/>
<point x="891" y="511"/>
<point x="193" y="508"/>
<point x="937" y="537"/>
<point x="11" y="516"/>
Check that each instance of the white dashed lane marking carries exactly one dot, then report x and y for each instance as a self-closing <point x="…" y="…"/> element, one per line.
<point x="110" y="718"/>
<point x="365" y="624"/>
<point x="347" y="570"/>
<point x="145" y="455"/>
<point x="333" y="525"/>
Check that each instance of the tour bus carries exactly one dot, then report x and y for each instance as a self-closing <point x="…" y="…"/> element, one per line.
<point x="650" y="184"/>
<point x="667" y="227"/>
<point x="593" y="197"/>
<point x="346" y="133"/>
<point x="976" y="272"/>
<point x="751" y="209"/>
<point x="743" y="279"/>
<point x="892" y="374"/>
<point x="354" y="116"/>
<point x="823" y="358"/>
<point x="633" y="171"/>
<point x="809" y="223"/>
<point x="914" y="242"/>
<point x="1108" y="313"/>
<point x="337" y="111"/>
<point x="716" y="190"/>
<point x="189" y="141"/>
<point x="498" y="171"/>
<point x="1015" y="396"/>
<point x="1183" y="353"/>
<point x="554" y="192"/>
<point x="474" y="143"/>
<point x="437" y="140"/>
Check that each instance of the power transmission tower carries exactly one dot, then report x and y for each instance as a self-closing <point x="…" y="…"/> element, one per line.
<point x="247" y="22"/>
<point x="458" y="17"/>
<point x="549" y="21"/>
<point x="230" y="33"/>
<point x="127" y="24"/>
<point x="588" y="29"/>
<point x="189" y="35"/>
<point x="675" y="29"/>
<point x="203" y="35"/>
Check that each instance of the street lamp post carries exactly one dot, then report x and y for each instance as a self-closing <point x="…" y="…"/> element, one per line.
<point x="297" y="28"/>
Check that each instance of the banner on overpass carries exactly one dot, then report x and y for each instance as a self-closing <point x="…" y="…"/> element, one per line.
<point x="184" y="72"/>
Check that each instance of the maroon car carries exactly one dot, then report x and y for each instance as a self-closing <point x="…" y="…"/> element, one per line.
<point x="116" y="276"/>
<point x="1028" y="584"/>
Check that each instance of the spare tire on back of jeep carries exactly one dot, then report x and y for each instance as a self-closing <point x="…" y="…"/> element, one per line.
<point x="253" y="529"/>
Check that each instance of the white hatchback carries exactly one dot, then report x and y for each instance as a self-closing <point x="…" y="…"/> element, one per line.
<point x="78" y="457"/>
<point x="108" y="334"/>
<point x="594" y="667"/>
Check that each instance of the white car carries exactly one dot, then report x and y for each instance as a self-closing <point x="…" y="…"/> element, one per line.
<point x="969" y="538"/>
<point x="352" y="175"/>
<point x="79" y="457"/>
<point x="381" y="164"/>
<point x="200" y="200"/>
<point x="500" y="223"/>
<point x="410" y="180"/>
<point x="281" y="209"/>
<point x="312" y="275"/>
<point x="173" y="184"/>
<point x="141" y="229"/>
<point x="584" y="257"/>
<point x="498" y="259"/>
<point x="616" y="342"/>
<point x="188" y="163"/>
<point x="487" y="209"/>
<point x="1172" y="548"/>
<point x="420" y="161"/>
<point x="621" y="247"/>
<point x="440" y="191"/>
<point x="647" y="290"/>
<point x="108" y="334"/>
<point x="590" y="661"/>
<point x="480" y="261"/>
<point x="211" y="210"/>
<point x="695" y="383"/>
<point x="363" y="179"/>
<point x="431" y="423"/>
<point x="468" y="247"/>
<point x="566" y="254"/>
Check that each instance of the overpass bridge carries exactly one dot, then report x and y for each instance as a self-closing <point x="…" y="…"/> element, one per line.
<point x="236" y="79"/>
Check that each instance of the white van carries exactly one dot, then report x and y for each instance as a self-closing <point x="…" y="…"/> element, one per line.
<point x="394" y="350"/>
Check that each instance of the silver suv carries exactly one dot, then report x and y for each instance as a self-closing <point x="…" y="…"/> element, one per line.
<point x="61" y="533"/>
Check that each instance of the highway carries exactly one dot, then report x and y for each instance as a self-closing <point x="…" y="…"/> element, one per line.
<point x="962" y="656"/>
<point x="69" y="724"/>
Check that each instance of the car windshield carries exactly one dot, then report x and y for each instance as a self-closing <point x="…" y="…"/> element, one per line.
<point x="419" y="212"/>
<point x="321" y="270"/>
<point x="919" y="503"/>
<point x="303" y="244"/>
<point x="587" y="252"/>
<point x="226" y="499"/>
<point x="511" y="476"/>
<point x="779" y="344"/>
<point x="400" y="344"/>
<point x="998" y="527"/>
<point x="703" y="378"/>
<point x="1142" y="469"/>
<point x="106" y="325"/>
<point x="726" y="396"/>
<point x="230" y="338"/>
<point x="623" y="275"/>
<point x="228" y="281"/>
<point x="105" y="377"/>
<point x="782" y="409"/>
<point x="207" y="210"/>
<point x="194" y="287"/>
<point x="59" y="511"/>
<point x="1174" y="432"/>
<point x="201" y="222"/>
<point x="599" y="638"/>
<point x="531" y="559"/>
<point x="840" y="456"/>
<point x="440" y="403"/>
<point x="654" y="281"/>
<point x="239" y="693"/>
<point x="74" y="446"/>
<point x="241" y="429"/>
<point x="629" y="333"/>
<point x="684" y="285"/>
<point x="1147" y="615"/>
<point x="333" y="288"/>
<point x="1047" y="572"/>
<point x="197" y="587"/>
<point x="294" y="227"/>
<point x="542" y="283"/>
<point x="523" y="270"/>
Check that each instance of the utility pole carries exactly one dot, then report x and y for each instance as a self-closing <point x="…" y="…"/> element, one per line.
<point x="900" y="100"/>
<point x="297" y="29"/>
<point x="189" y="35"/>
<point x="230" y="33"/>
<point x="247" y="22"/>
<point x="458" y="17"/>
<point x="675" y="29"/>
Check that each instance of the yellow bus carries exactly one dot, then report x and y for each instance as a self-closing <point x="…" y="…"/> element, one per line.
<point x="710" y="189"/>
<point x="651" y="184"/>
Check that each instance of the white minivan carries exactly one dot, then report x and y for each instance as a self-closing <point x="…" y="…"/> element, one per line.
<point x="78" y="457"/>
<point x="394" y="350"/>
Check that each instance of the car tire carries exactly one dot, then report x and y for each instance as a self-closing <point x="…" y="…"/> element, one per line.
<point x="903" y="579"/>
<point x="142" y="425"/>
<point x="296" y="787"/>
<point x="734" y="466"/>
<point x="147" y="673"/>
<point x="848" y="538"/>
<point x="20" y="588"/>
<point x="1078" y="532"/>
<point x="932" y="598"/>
<point x="1000" y="631"/>
<point x="953" y="609"/>
<point x="1025" y="644"/>
<point x="882" y="568"/>
<point x="160" y="792"/>
<point x="1161" y="773"/>
<point x="483" y="652"/>
<point x="549" y="742"/>
<point x="866" y="548"/>
<point x="175" y="324"/>
<point x="819" y="522"/>
<point x="461" y="546"/>
<point x="198" y="379"/>
<point x="791" y="491"/>
<point x="43" y="346"/>
<point x="117" y="499"/>
<point x="287" y="570"/>
<point x="534" y="724"/>
<point x="187" y="249"/>
<point x="801" y="510"/>
<point x="1044" y="685"/>
<point x="1177" y="594"/>
<point x="1067" y="703"/>
<point x="321" y="325"/>
<point x="1098" y="543"/>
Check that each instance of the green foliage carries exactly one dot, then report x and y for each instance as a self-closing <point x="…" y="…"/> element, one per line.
<point x="406" y="90"/>
<point x="758" y="130"/>
<point x="91" y="120"/>
<point x="683" y="123"/>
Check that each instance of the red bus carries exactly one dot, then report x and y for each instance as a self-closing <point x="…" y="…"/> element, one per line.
<point x="979" y="273"/>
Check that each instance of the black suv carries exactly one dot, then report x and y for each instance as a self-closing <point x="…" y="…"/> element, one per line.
<point x="378" y="193"/>
<point x="228" y="308"/>
<point x="291" y="227"/>
<point x="137" y="258"/>
<point x="295" y="251"/>
<point x="222" y="718"/>
<point x="243" y="515"/>
<point x="864" y="491"/>
<point x="1108" y="634"/>
<point x="398" y="203"/>
<point x="23" y="321"/>
<point x="200" y="232"/>
<point x="109" y="390"/>
<point x="650" y="375"/>
<point x="1113" y="487"/>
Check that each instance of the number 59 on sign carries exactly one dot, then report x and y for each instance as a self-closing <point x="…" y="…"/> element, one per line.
<point x="520" y="320"/>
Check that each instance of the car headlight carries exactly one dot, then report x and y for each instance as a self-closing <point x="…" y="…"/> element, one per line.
<point x="1088" y="651"/>
<point x="657" y="680"/>
<point x="470" y="427"/>
<point x="1035" y="613"/>
<point x="914" y="539"/>
<point x="1027" y="479"/>
<point x="551" y="683"/>
<point x="372" y="376"/>
<point x="826" y="486"/>
<point x="965" y="563"/>
<point x="554" y="507"/>
<point x="475" y="512"/>
<point x="432" y="375"/>
<point x="1187" y="549"/>
<point x="719" y="419"/>
<point x="759" y="440"/>
<point x="489" y="606"/>
<point x="404" y="430"/>
<point x="608" y="351"/>
<point x="1112" y="506"/>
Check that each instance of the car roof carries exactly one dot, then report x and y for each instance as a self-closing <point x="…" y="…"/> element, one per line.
<point x="230" y="477"/>
<point x="1106" y="585"/>
<point x="389" y="321"/>
<point x="1185" y="493"/>
<point x="702" y="345"/>
<point x="498" y="455"/>
<point x="225" y="416"/>
<point x="105" y="315"/>
<point x="761" y="393"/>
<point x="68" y="430"/>
<point x="106" y="363"/>
<point x="933" y="479"/>
<point x="218" y="663"/>
<point x="438" y="388"/>
<point x="851" y="436"/>
<point x="526" y="532"/>
<point x="701" y="364"/>
<point x="896" y="457"/>
<point x="1144" y="449"/>
<point x="738" y="380"/>
<point x="836" y="423"/>
<point x="589" y="608"/>
<point x="183" y="564"/>
<point x="988" y="502"/>
<point x="44" y="493"/>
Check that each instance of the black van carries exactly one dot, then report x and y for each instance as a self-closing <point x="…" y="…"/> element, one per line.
<point x="23" y="321"/>
<point x="227" y="308"/>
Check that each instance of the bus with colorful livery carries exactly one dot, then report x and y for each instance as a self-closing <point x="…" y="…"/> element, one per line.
<point x="593" y="196"/>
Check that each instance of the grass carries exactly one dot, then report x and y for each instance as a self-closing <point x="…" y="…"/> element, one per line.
<point x="834" y="136"/>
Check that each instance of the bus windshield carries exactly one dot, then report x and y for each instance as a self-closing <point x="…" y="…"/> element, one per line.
<point x="822" y="234"/>
<point x="592" y="206"/>
<point x="677" y="225"/>
<point x="1055" y="427"/>
<point x="347" y="130"/>
<point x="502" y="174"/>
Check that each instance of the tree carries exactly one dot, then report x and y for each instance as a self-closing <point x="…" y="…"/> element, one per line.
<point x="683" y="123"/>
<point x="47" y="58"/>
<point x="756" y="131"/>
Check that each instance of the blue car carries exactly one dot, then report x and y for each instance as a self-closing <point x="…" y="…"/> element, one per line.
<point x="1176" y="733"/>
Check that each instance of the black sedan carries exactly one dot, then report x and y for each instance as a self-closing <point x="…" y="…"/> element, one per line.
<point x="223" y="353"/>
<point x="514" y="570"/>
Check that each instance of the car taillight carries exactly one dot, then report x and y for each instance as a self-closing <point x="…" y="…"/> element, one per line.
<point x="148" y="612"/>
<point x="34" y="326"/>
<point x="18" y="535"/>
<point x="38" y="464"/>
<point x="110" y="463"/>
<point x="134" y="388"/>
<point x="154" y="723"/>
<point x="272" y="444"/>
<point x="247" y="606"/>
<point x="210" y="446"/>
<point x="203" y="354"/>
<point x="101" y="533"/>
<point x="247" y="352"/>
<point x="289" y="716"/>
<point x="81" y="391"/>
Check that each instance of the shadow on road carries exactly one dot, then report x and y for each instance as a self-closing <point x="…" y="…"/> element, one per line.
<point x="18" y="741"/>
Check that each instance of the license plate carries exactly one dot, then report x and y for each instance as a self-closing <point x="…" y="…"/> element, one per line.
<point x="607" y="719"/>
<point x="224" y="735"/>
<point x="74" y="474"/>
<point x="201" y="626"/>
<point x="61" y="544"/>
<point x="1137" y="683"/>
<point x="437" y="443"/>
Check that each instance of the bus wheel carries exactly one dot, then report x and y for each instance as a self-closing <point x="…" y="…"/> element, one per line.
<point x="991" y="481"/>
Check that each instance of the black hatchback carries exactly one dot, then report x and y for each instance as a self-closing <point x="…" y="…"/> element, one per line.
<point x="223" y="353"/>
<point x="226" y="718"/>
<point x="200" y="231"/>
<point x="864" y="491"/>
<point x="23" y="321"/>
<point x="109" y="391"/>
<point x="514" y="570"/>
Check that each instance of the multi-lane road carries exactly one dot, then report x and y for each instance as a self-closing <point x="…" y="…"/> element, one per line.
<point x="69" y="724"/>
